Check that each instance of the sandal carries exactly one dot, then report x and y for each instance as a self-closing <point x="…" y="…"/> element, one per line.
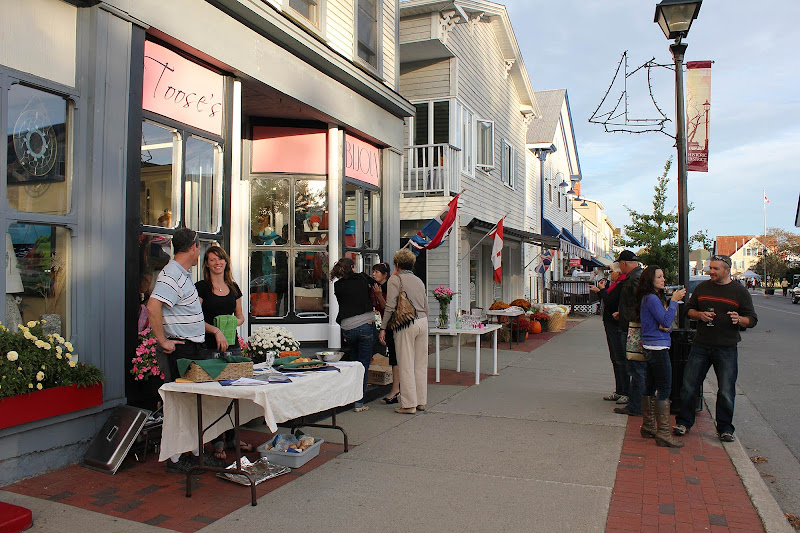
<point x="613" y="397"/>
<point x="219" y="450"/>
<point x="391" y="399"/>
<point x="245" y="447"/>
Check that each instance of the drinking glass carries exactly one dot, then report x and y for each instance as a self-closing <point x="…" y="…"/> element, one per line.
<point x="710" y="324"/>
<point x="678" y="288"/>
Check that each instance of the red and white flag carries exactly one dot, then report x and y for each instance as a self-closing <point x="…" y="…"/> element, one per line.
<point x="497" y="252"/>
<point x="698" y="108"/>
<point x="766" y="201"/>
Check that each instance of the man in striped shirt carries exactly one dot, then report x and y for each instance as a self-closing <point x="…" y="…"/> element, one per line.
<point x="176" y="316"/>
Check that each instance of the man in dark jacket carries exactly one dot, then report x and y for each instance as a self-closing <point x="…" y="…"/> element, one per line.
<point x="609" y="292"/>
<point x="637" y="370"/>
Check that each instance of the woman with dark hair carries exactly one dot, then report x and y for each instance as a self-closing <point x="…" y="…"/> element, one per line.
<point x="220" y="295"/>
<point x="411" y="341"/>
<point x="656" y="317"/>
<point x="380" y="273"/>
<point x="356" y="315"/>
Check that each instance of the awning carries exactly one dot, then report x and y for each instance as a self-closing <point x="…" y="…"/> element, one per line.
<point x="604" y="262"/>
<point x="567" y="241"/>
<point x="524" y="236"/>
<point x="591" y="263"/>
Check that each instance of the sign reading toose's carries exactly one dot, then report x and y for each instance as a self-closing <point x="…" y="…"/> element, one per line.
<point x="182" y="90"/>
<point x="361" y="161"/>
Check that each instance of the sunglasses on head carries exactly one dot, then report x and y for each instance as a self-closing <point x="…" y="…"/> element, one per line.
<point x="724" y="258"/>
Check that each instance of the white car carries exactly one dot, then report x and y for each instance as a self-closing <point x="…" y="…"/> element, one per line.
<point x="795" y="294"/>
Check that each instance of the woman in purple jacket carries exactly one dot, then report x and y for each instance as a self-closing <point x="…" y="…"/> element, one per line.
<point x="656" y="316"/>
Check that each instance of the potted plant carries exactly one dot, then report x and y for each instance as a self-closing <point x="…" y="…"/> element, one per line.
<point x="520" y="328"/>
<point x="267" y="342"/>
<point x="41" y="377"/>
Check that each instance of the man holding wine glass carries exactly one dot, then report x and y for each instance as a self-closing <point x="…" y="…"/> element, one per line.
<point x="721" y="308"/>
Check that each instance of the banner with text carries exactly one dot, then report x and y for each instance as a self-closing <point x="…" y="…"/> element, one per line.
<point x="698" y="108"/>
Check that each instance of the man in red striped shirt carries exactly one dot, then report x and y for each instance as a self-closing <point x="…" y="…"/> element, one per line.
<point x="721" y="308"/>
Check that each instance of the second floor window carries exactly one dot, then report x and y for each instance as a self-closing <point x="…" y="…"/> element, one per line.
<point x="308" y="9"/>
<point x="509" y="165"/>
<point x="485" y="144"/>
<point x="367" y="31"/>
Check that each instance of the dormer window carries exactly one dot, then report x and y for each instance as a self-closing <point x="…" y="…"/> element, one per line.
<point x="308" y="9"/>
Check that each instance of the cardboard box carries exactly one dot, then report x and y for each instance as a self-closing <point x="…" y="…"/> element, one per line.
<point x="379" y="360"/>
<point x="379" y="375"/>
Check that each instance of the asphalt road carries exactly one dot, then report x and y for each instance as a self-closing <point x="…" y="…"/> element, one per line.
<point x="767" y="414"/>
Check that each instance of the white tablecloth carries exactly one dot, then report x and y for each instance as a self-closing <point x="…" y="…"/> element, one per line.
<point x="311" y="392"/>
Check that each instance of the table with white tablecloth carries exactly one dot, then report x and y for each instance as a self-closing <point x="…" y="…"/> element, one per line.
<point x="309" y="392"/>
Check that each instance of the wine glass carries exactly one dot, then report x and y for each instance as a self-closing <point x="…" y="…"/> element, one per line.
<point x="269" y="358"/>
<point x="710" y="324"/>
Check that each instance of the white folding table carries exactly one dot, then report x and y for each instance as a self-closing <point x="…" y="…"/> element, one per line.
<point x="489" y="328"/>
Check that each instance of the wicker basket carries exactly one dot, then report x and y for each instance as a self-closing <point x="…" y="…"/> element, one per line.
<point x="232" y="371"/>
<point x="557" y="322"/>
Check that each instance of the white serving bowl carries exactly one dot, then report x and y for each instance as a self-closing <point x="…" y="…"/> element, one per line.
<point x="330" y="357"/>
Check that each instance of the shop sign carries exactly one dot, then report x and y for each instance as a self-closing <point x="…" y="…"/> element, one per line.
<point x="287" y="149"/>
<point x="361" y="161"/>
<point x="575" y="261"/>
<point x="182" y="90"/>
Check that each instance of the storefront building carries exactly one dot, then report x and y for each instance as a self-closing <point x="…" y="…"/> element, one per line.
<point x="271" y="127"/>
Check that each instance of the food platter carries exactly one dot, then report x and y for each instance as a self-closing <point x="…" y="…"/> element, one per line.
<point x="312" y="365"/>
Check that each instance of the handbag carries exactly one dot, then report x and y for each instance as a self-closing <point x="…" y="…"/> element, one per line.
<point x="633" y="347"/>
<point x="227" y="324"/>
<point x="264" y="303"/>
<point x="404" y="312"/>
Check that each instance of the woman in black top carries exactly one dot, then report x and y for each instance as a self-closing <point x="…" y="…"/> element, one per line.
<point x="220" y="295"/>
<point x="380" y="274"/>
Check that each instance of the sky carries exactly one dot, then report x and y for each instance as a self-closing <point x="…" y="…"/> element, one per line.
<point x="754" y="139"/>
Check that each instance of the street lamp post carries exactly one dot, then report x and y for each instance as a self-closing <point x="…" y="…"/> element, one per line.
<point x="675" y="18"/>
<point x="706" y="107"/>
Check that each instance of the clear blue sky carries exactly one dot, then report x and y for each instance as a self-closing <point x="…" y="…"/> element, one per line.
<point x="754" y="132"/>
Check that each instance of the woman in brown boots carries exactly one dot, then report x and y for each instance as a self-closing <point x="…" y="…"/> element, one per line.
<point x="656" y="316"/>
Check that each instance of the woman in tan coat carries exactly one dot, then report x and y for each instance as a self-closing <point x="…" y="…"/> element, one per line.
<point x="411" y="342"/>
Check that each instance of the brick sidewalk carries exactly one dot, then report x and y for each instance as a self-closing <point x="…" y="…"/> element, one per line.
<point x="689" y="489"/>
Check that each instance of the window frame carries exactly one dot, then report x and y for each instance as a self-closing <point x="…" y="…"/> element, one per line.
<point x="377" y="68"/>
<point x="508" y="164"/>
<point x="317" y="27"/>
<point x="465" y="138"/>
<point x="486" y="167"/>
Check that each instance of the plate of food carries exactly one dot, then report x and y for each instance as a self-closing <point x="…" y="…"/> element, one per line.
<point x="310" y="364"/>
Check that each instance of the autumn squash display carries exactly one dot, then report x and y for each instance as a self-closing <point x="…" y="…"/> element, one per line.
<point x="535" y="327"/>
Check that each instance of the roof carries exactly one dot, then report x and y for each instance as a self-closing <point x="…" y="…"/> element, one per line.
<point x="543" y="129"/>
<point x="730" y="244"/>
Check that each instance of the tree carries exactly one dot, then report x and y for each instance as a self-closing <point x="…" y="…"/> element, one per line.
<point x="702" y="238"/>
<point x="786" y="241"/>
<point x="776" y="267"/>
<point x="656" y="233"/>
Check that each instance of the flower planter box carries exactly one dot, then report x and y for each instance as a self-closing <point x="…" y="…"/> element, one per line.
<point x="41" y="404"/>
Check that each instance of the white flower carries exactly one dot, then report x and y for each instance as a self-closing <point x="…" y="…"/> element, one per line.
<point x="39" y="376"/>
<point x="31" y="324"/>
<point x="12" y="355"/>
<point x="72" y="364"/>
<point x="39" y="344"/>
<point x="68" y="345"/>
<point x="39" y="386"/>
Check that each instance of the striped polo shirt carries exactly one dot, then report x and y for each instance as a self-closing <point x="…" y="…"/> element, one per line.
<point x="182" y="313"/>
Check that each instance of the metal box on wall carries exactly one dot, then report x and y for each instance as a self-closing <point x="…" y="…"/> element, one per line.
<point x="111" y="445"/>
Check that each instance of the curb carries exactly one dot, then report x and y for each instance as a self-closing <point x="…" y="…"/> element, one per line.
<point x="766" y="506"/>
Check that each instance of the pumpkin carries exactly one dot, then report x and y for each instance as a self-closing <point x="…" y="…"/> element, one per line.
<point x="536" y="326"/>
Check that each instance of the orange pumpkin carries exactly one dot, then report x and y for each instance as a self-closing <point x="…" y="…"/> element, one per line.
<point x="536" y="326"/>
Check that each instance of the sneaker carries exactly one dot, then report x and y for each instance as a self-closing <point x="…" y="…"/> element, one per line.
<point x="613" y="397"/>
<point x="680" y="430"/>
<point x="726" y="437"/>
<point x="622" y="400"/>
<point x="182" y="466"/>
<point x="625" y="411"/>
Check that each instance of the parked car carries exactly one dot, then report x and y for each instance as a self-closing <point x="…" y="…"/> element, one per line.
<point x="796" y="294"/>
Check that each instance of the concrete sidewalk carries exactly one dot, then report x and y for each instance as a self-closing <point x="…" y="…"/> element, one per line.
<point x="532" y="449"/>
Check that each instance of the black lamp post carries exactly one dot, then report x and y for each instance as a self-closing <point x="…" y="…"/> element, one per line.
<point x="706" y="107"/>
<point x="675" y="18"/>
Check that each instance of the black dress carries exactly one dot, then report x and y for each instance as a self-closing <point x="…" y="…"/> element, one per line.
<point x="214" y="306"/>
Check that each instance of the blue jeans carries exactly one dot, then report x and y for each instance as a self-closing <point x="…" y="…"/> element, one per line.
<point x="725" y="361"/>
<point x="616" y="349"/>
<point x="659" y="374"/>
<point x="361" y="341"/>
<point x="637" y="371"/>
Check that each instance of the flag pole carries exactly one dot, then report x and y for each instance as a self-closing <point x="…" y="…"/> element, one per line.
<point x="408" y="243"/>
<point x="481" y="239"/>
<point x="765" y="241"/>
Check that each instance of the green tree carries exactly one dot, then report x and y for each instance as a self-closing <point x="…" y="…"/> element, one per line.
<point x="777" y="268"/>
<point x="655" y="234"/>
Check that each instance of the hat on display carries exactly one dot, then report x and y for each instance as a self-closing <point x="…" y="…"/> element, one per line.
<point x="627" y="255"/>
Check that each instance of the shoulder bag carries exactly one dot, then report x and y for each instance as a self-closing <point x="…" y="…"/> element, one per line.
<point x="633" y="348"/>
<point x="404" y="312"/>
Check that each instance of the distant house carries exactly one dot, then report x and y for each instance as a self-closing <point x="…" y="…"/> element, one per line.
<point x="744" y="251"/>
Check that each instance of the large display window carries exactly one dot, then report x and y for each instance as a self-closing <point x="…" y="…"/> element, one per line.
<point x="362" y="225"/>
<point x="288" y="247"/>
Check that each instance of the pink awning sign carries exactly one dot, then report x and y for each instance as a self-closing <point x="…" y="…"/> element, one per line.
<point x="182" y="90"/>
<point x="287" y="149"/>
<point x="361" y="161"/>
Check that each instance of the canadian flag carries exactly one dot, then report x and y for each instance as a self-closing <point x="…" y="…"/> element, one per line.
<point x="497" y="252"/>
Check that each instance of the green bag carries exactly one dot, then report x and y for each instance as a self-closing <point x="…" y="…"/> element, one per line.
<point x="227" y="324"/>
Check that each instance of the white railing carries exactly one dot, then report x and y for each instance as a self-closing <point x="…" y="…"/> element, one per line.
<point x="431" y="170"/>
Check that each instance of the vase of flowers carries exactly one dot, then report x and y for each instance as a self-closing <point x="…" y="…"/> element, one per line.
<point x="268" y="341"/>
<point x="443" y="295"/>
<point x="144" y="363"/>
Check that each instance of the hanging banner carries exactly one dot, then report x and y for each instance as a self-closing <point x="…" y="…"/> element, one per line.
<point x="698" y="108"/>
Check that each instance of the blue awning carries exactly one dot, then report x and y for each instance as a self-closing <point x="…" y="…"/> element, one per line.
<point x="569" y="244"/>
<point x="549" y="229"/>
<point x="568" y="234"/>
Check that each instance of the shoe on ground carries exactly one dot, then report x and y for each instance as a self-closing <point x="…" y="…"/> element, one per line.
<point x="406" y="410"/>
<point x="625" y="411"/>
<point x="361" y="408"/>
<point x="680" y="430"/>
<point x="421" y="407"/>
<point x="726" y="437"/>
<point x="182" y="466"/>
<point x="613" y="397"/>
<point x="622" y="400"/>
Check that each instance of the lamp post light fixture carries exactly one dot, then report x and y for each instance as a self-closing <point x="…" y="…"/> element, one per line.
<point x="706" y="107"/>
<point x="675" y="17"/>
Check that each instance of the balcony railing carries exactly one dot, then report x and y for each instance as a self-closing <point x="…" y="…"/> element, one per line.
<point x="431" y="170"/>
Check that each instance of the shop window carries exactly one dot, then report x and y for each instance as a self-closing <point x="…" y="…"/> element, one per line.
<point x="203" y="185"/>
<point x="288" y="252"/>
<point x="367" y="31"/>
<point x="159" y="196"/>
<point x="39" y="151"/>
<point x="485" y="144"/>
<point x="372" y="218"/>
<point x="38" y="275"/>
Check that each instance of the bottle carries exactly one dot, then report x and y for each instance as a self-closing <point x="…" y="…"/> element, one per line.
<point x="458" y="320"/>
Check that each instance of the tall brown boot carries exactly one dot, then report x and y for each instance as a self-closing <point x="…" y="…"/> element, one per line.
<point x="663" y="435"/>
<point x="648" y="429"/>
